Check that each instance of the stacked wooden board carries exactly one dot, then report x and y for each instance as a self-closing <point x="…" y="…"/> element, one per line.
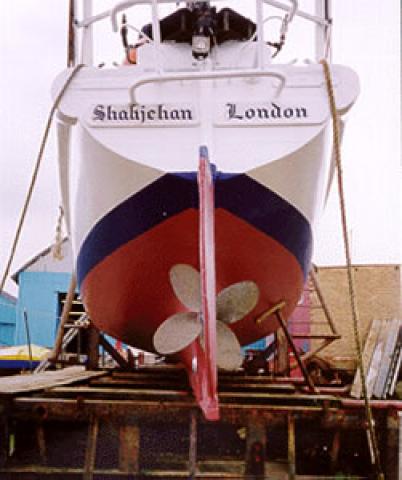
<point x="382" y="359"/>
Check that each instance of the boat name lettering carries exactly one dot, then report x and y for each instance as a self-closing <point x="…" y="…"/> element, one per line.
<point x="272" y="111"/>
<point x="137" y="115"/>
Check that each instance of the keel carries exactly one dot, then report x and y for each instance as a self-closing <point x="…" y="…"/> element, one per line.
<point x="204" y="376"/>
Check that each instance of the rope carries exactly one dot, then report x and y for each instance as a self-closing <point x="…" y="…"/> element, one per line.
<point x="35" y="174"/>
<point x="355" y="317"/>
<point x="57" y="247"/>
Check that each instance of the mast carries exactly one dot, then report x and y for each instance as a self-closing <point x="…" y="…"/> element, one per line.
<point x="323" y="9"/>
<point x="87" y="35"/>
<point x="71" y="56"/>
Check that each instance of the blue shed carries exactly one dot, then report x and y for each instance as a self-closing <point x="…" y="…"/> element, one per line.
<point x="7" y="319"/>
<point x="43" y="283"/>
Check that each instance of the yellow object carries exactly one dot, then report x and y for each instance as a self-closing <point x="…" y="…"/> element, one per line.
<point x="21" y="352"/>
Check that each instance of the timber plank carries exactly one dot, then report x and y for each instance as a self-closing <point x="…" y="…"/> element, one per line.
<point x="131" y="392"/>
<point x="33" y="382"/>
<point x="390" y="344"/>
<point x="375" y="365"/>
<point x="368" y="352"/>
<point x="111" y="393"/>
<point x="147" y="383"/>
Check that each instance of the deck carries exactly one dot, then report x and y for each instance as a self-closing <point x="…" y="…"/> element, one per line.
<point x="145" y="424"/>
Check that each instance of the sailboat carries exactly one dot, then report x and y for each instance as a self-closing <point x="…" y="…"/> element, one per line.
<point x="192" y="176"/>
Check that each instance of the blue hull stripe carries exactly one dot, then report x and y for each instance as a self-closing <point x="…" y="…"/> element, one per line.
<point x="174" y="193"/>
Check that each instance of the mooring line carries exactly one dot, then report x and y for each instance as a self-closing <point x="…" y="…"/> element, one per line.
<point x="373" y="444"/>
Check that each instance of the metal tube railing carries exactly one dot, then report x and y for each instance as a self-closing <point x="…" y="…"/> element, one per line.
<point x="322" y="21"/>
<point x="130" y="3"/>
<point x="206" y="76"/>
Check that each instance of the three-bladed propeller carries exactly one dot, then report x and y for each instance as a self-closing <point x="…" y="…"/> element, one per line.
<point x="180" y="330"/>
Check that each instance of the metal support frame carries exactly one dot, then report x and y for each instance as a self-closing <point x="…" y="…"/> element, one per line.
<point x="292" y="346"/>
<point x="121" y="361"/>
<point x="328" y="338"/>
<point x="116" y="400"/>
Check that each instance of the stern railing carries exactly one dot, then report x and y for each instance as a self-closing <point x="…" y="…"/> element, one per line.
<point x="322" y="20"/>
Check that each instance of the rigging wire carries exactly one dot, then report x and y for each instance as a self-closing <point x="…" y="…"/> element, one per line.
<point x="34" y="177"/>
<point x="373" y="444"/>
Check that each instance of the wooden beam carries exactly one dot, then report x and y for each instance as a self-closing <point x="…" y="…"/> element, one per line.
<point x="90" y="453"/>
<point x="255" y="446"/>
<point x="41" y="439"/>
<point x="129" y="448"/>
<point x="282" y="363"/>
<point x="291" y="447"/>
<point x="323" y="303"/>
<point x="335" y="448"/>
<point x="64" y="318"/>
<point x="393" y="448"/>
<point x="192" y="454"/>
<point x="17" y="384"/>
<point x="121" y="361"/>
<point x="306" y="375"/>
<point x="4" y="440"/>
<point x="93" y="348"/>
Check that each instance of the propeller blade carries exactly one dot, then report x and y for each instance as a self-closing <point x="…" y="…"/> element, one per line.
<point x="236" y="301"/>
<point x="229" y="356"/>
<point x="186" y="284"/>
<point x="177" y="332"/>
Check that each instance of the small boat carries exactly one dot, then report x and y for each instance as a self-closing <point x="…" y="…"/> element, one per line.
<point x="192" y="177"/>
<point x="21" y="357"/>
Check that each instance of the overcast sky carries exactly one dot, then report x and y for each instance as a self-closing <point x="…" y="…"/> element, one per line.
<point x="366" y="38"/>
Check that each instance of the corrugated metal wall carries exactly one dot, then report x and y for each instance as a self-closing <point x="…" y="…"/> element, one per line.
<point x="7" y="319"/>
<point x="39" y="297"/>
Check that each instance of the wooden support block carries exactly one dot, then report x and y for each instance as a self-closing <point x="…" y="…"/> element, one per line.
<point x="93" y="348"/>
<point x="41" y="439"/>
<point x="90" y="453"/>
<point x="255" y="447"/>
<point x="291" y="447"/>
<point x="4" y="441"/>
<point x="282" y="363"/>
<point x="192" y="454"/>
<point x="334" y="454"/>
<point x="129" y="448"/>
<point x="400" y="447"/>
<point x="391" y="460"/>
